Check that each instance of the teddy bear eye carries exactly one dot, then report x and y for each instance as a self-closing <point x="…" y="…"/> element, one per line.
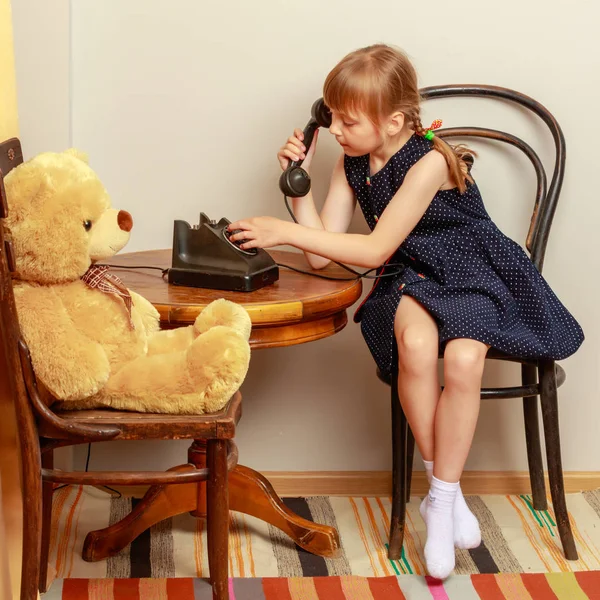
<point x="87" y="225"/>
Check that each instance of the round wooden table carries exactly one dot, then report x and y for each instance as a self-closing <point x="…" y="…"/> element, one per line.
<point x="296" y="309"/>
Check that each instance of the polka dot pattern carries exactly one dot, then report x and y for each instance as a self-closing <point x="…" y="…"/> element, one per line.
<point x="476" y="282"/>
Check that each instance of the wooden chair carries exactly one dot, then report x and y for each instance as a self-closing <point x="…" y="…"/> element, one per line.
<point x="212" y="455"/>
<point x="551" y="376"/>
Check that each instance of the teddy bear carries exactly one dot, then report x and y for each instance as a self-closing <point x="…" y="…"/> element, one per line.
<point x="93" y="342"/>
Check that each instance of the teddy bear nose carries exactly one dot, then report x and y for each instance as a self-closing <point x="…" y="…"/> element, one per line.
<point x="125" y="220"/>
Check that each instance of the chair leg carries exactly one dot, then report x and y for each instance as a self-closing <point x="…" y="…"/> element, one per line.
<point x="399" y="473"/>
<point x="410" y="454"/>
<point x="47" y="492"/>
<point x="32" y="524"/>
<point x="549" y="397"/>
<point x="217" y="518"/>
<point x="532" y="438"/>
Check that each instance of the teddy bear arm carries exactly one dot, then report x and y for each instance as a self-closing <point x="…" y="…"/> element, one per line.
<point x="149" y="315"/>
<point x="70" y="365"/>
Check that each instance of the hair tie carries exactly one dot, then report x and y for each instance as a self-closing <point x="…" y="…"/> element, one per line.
<point x="429" y="135"/>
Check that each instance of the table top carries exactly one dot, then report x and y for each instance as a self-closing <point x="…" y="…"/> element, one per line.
<point x="295" y="309"/>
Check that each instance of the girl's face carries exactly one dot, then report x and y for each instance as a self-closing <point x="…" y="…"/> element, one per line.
<point x="355" y="133"/>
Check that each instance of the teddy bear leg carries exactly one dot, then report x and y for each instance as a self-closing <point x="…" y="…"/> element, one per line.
<point x="218" y="362"/>
<point x="219" y="312"/>
<point x="201" y="379"/>
<point x="171" y="340"/>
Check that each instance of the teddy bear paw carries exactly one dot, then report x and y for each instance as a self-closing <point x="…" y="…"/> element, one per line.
<point x="226" y="313"/>
<point x="218" y="362"/>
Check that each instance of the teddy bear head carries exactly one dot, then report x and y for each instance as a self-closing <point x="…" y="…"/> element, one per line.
<point x="60" y="218"/>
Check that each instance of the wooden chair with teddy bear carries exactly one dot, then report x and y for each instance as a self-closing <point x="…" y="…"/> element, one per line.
<point x="84" y="360"/>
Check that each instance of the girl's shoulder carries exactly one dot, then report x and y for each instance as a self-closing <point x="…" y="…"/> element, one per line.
<point x="355" y="168"/>
<point x="414" y="150"/>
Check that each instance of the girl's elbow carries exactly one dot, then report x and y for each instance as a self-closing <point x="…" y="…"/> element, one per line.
<point x="378" y="258"/>
<point x="317" y="262"/>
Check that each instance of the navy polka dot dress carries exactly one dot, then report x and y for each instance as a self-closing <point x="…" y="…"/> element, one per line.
<point x="476" y="282"/>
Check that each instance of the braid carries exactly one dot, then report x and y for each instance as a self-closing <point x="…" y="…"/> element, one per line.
<point x="454" y="156"/>
<point x="418" y="126"/>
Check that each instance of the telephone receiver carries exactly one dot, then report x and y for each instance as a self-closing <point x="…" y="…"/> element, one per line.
<point x="295" y="181"/>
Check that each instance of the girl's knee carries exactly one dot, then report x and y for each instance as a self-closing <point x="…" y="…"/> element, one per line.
<point x="417" y="347"/>
<point x="464" y="363"/>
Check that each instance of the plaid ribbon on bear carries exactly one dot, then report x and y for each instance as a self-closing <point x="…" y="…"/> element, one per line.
<point x="98" y="277"/>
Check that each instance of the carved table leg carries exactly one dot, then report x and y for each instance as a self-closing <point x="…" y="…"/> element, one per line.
<point x="159" y="503"/>
<point x="252" y="494"/>
<point x="249" y="493"/>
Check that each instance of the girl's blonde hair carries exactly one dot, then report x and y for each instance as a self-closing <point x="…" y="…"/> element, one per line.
<point x="378" y="81"/>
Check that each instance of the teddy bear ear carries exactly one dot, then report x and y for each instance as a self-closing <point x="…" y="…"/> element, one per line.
<point x="82" y="156"/>
<point x="26" y="189"/>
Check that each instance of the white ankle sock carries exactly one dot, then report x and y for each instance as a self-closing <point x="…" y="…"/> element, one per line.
<point x="467" y="533"/>
<point x="439" y="547"/>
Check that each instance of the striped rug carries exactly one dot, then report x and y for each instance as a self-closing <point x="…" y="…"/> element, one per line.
<point x="516" y="539"/>
<point x="532" y="586"/>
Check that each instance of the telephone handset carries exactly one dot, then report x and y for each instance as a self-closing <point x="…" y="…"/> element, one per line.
<point x="295" y="181"/>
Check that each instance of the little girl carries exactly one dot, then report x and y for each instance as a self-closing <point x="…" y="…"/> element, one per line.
<point x="465" y="287"/>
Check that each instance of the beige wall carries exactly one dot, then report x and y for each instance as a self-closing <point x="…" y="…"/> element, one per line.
<point x="182" y="107"/>
<point x="10" y="496"/>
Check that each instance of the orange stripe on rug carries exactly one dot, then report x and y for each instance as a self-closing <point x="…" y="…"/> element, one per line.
<point x="529" y="533"/>
<point x="329" y="588"/>
<point x="76" y="516"/>
<point x="153" y="589"/>
<point x="379" y="543"/>
<point x="302" y="588"/>
<point x="410" y="546"/>
<point x="552" y="543"/>
<point x="276" y="588"/>
<point x="512" y="587"/>
<point x="487" y="587"/>
<point x="410" y="550"/>
<point x="363" y="537"/>
<point x="537" y="585"/>
<point x="415" y="542"/>
<point x="235" y="545"/>
<point x="58" y="504"/>
<point x="198" y="547"/>
<point x="127" y="589"/>
<point x="386" y="588"/>
<point x="248" y="539"/>
<point x="100" y="589"/>
<point x="583" y="546"/>
<point x="181" y="588"/>
<point x="356" y="588"/>
<point x="75" y="589"/>
<point x="589" y="582"/>
<point x="61" y="551"/>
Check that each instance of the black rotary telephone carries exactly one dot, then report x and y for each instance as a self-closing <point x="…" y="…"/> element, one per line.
<point x="204" y="256"/>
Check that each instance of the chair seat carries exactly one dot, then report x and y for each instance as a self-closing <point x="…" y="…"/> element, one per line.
<point x="499" y="393"/>
<point x="494" y="354"/>
<point x="137" y="426"/>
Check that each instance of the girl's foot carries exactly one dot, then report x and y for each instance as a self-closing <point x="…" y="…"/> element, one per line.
<point x="439" y="547"/>
<point x="467" y="534"/>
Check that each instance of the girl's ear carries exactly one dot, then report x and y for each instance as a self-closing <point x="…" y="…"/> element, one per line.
<point x="395" y="123"/>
